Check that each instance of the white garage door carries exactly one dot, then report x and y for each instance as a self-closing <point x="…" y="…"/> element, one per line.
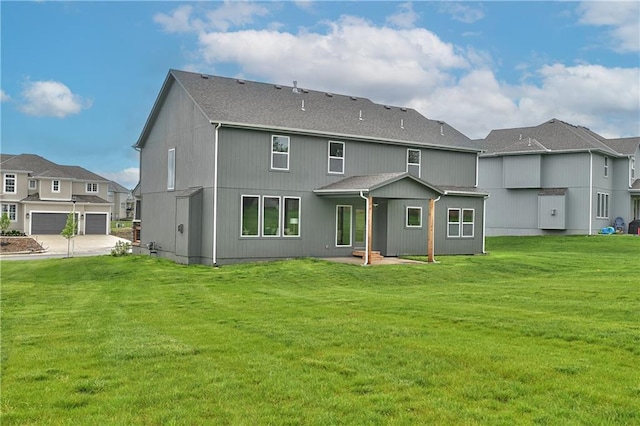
<point x="96" y="224"/>
<point x="48" y="223"/>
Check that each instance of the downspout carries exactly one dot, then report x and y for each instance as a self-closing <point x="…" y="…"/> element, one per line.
<point x="215" y="195"/>
<point x="484" y="224"/>
<point x="431" y="251"/>
<point x="366" y="234"/>
<point x="590" y="191"/>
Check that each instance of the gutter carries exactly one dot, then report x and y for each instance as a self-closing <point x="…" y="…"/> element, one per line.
<point x="214" y="255"/>
<point x="347" y="136"/>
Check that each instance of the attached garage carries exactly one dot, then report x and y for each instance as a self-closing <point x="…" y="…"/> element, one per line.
<point x="48" y="223"/>
<point x="96" y="223"/>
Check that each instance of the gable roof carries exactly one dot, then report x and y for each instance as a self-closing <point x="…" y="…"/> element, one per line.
<point x="40" y="167"/>
<point x="244" y="103"/>
<point x="367" y="183"/>
<point x="549" y="137"/>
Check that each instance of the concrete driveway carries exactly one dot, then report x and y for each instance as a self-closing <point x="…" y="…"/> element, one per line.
<point x="82" y="245"/>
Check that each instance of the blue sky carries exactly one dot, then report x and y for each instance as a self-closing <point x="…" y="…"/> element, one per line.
<point x="79" y="78"/>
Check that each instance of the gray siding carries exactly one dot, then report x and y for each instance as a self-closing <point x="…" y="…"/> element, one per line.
<point x="552" y="212"/>
<point x="245" y="169"/>
<point x="522" y="171"/>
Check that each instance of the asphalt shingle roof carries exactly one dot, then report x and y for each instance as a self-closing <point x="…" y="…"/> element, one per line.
<point x="38" y="166"/>
<point x="625" y="146"/>
<point x="265" y="105"/>
<point x="551" y="136"/>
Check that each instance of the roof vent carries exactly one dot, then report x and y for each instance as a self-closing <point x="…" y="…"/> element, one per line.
<point x="353" y="98"/>
<point x="520" y="137"/>
<point x="402" y="123"/>
<point x="302" y="107"/>
<point x="305" y="91"/>
<point x="204" y="76"/>
<point x="360" y="117"/>
<point x="277" y="86"/>
<point x="403" y="109"/>
<point x="329" y="94"/>
<point x="240" y="81"/>
<point x="387" y="107"/>
<point x="295" y="87"/>
<point x="441" y="128"/>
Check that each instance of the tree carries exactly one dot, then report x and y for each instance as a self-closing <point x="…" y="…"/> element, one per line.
<point x="5" y="223"/>
<point x="69" y="230"/>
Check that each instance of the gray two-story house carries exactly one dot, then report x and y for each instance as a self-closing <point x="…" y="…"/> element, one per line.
<point x="557" y="178"/>
<point x="38" y="194"/>
<point x="234" y="170"/>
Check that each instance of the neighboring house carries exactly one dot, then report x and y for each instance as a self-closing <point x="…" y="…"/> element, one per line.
<point x="122" y="200"/>
<point x="557" y="178"/>
<point x="234" y="170"/>
<point x="38" y="194"/>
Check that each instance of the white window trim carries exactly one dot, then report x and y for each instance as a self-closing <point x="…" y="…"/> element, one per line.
<point x="92" y="184"/>
<point x="419" y="164"/>
<point x="406" y="220"/>
<point x="284" y="204"/>
<point x="171" y="169"/>
<point x="280" y="153"/>
<point x="602" y="207"/>
<point x="242" y="197"/>
<point x="350" y="226"/>
<point x="459" y="223"/>
<point x="53" y="186"/>
<point x="472" y="223"/>
<point x="15" y="183"/>
<point x="329" y="157"/>
<point x="8" y="211"/>
<point x="606" y="167"/>
<point x="34" y="182"/>
<point x="632" y="171"/>
<point x="277" y="234"/>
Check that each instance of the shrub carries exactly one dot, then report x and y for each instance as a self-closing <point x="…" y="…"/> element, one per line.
<point x="122" y="248"/>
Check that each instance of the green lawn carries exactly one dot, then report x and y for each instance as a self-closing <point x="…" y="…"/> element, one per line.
<point x="544" y="330"/>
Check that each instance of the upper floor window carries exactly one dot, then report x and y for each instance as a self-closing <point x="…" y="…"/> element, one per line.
<point x="602" y="209"/>
<point x="10" y="183"/>
<point x="633" y="168"/>
<point x="606" y="166"/>
<point x="336" y="157"/>
<point x="280" y="152"/>
<point x="92" y="187"/>
<point x="10" y="210"/>
<point x="413" y="162"/>
<point x="414" y="217"/>
<point x="55" y="185"/>
<point x="32" y="184"/>
<point x="171" y="169"/>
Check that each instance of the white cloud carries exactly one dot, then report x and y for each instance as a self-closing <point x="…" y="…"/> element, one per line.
<point x="51" y="99"/>
<point x="405" y="17"/>
<point x="179" y="21"/>
<point x="621" y="17"/>
<point x="415" y="68"/>
<point x="4" y="97"/>
<point x="128" y="177"/>
<point x="396" y="62"/>
<point x="462" y="12"/>
<point x="230" y="14"/>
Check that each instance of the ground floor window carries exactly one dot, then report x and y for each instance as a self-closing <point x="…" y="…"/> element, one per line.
<point x="10" y="210"/>
<point x="460" y="223"/>
<point x="414" y="217"/>
<point x="270" y="216"/>
<point x="602" y="209"/>
<point x="291" y="224"/>
<point x="250" y="215"/>
<point x="636" y="208"/>
<point x="343" y="226"/>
